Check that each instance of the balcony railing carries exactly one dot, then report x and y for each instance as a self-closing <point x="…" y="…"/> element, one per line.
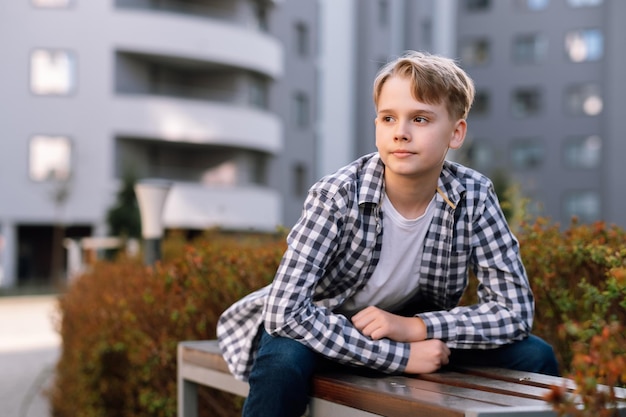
<point x="200" y="9"/>
<point x="207" y="94"/>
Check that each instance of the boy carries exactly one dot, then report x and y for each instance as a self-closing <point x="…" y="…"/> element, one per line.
<point x="377" y="262"/>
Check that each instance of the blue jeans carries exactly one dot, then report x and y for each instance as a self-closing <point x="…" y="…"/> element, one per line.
<point x="280" y="381"/>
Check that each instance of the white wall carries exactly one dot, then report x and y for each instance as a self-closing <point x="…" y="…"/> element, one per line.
<point x="337" y="85"/>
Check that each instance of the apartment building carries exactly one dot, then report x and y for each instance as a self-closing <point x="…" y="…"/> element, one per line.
<point x="242" y="104"/>
<point x="548" y="106"/>
<point x="215" y="96"/>
<point x="549" y="101"/>
<point x="357" y="38"/>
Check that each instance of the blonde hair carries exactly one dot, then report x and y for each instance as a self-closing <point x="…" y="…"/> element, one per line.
<point x="435" y="79"/>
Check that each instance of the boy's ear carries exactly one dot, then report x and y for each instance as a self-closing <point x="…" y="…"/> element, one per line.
<point x="458" y="134"/>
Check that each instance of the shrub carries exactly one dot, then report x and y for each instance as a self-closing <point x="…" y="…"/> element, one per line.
<point x="578" y="276"/>
<point x="599" y="365"/>
<point x="121" y="323"/>
<point x="579" y="280"/>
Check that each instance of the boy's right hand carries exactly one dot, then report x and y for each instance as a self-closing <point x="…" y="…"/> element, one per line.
<point x="427" y="356"/>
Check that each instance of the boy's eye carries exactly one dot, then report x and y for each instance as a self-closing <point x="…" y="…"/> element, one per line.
<point x="420" y="119"/>
<point x="387" y="118"/>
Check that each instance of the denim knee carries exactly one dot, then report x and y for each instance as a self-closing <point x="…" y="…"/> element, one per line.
<point x="541" y="354"/>
<point x="532" y="354"/>
<point x="284" y="356"/>
<point x="280" y="380"/>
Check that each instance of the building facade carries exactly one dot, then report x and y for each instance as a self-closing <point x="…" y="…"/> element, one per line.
<point x="357" y="38"/>
<point x="216" y="97"/>
<point x="547" y="111"/>
<point x="243" y="104"/>
<point x="547" y="108"/>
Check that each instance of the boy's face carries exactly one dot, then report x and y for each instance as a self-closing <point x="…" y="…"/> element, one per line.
<point x="413" y="137"/>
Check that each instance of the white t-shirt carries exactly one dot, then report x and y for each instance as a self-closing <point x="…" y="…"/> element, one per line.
<point x="396" y="276"/>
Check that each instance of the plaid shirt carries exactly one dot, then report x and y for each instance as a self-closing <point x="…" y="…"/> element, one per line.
<point x="335" y="246"/>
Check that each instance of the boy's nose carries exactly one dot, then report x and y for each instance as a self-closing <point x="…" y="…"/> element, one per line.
<point x="401" y="133"/>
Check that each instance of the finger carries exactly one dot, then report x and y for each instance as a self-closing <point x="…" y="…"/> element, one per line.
<point x="360" y="317"/>
<point x="377" y="334"/>
<point x="446" y="349"/>
<point x="370" y="329"/>
<point x="361" y="322"/>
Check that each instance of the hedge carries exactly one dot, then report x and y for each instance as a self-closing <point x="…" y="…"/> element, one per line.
<point x="121" y="321"/>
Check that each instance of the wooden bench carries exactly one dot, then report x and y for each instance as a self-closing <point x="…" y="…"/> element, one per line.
<point x="469" y="392"/>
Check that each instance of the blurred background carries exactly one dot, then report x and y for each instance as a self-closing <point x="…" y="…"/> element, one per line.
<point x="242" y="104"/>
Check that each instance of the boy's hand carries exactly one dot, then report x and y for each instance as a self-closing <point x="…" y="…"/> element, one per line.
<point x="427" y="356"/>
<point x="377" y="324"/>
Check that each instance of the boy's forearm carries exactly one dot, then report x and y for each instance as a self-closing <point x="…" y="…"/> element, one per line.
<point x="485" y="325"/>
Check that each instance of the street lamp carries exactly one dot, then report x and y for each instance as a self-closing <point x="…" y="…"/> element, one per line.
<point x="151" y="195"/>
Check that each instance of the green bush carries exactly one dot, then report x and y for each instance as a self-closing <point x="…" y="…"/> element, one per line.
<point x="122" y="321"/>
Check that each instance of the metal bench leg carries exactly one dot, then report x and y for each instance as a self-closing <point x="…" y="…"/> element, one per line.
<point x="187" y="399"/>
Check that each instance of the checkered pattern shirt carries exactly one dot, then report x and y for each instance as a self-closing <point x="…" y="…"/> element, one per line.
<point x="334" y="248"/>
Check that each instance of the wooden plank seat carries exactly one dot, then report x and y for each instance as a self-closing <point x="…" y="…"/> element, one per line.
<point x="469" y="392"/>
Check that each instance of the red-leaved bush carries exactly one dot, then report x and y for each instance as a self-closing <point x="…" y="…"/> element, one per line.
<point x="121" y="321"/>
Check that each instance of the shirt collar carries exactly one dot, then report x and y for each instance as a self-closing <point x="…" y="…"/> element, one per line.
<point x="372" y="181"/>
<point x="371" y="186"/>
<point x="449" y="187"/>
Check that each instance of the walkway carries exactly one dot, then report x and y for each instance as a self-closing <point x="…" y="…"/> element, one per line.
<point x="29" y="348"/>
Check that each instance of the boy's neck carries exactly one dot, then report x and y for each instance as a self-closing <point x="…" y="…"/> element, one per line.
<point x="410" y="197"/>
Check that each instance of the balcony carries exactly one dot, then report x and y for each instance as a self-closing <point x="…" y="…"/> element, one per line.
<point x="196" y="122"/>
<point x="198" y="207"/>
<point x="176" y="35"/>
<point x="208" y="165"/>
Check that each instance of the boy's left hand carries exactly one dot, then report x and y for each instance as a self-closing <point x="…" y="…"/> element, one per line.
<point x="377" y="324"/>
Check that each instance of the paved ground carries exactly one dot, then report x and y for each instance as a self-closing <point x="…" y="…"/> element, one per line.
<point x="29" y="348"/>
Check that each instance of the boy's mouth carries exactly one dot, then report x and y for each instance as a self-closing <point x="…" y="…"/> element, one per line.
<point x="402" y="153"/>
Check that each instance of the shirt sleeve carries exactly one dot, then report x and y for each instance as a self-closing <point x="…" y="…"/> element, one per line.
<point x="505" y="308"/>
<point x="290" y="311"/>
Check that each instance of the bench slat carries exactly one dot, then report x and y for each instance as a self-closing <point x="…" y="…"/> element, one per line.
<point x="484" y="396"/>
<point x="537" y="380"/>
<point x="206" y="354"/>
<point x="365" y="394"/>
<point x="486" y="384"/>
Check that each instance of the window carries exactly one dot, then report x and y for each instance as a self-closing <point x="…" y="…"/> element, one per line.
<point x="50" y="158"/>
<point x="300" y="182"/>
<point x="477" y="5"/>
<point x="427" y="34"/>
<point x="383" y="13"/>
<point x="526" y="102"/>
<point x="529" y="49"/>
<point x="527" y="153"/>
<point x="482" y="103"/>
<point x="302" y="39"/>
<point x="583" y="152"/>
<point x="532" y="5"/>
<point x="51" y="4"/>
<point x="260" y="14"/>
<point x="479" y="155"/>
<point x="584" y="3"/>
<point x="52" y="72"/>
<point x="583" y="204"/>
<point x="475" y="52"/>
<point x="258" y="92"/>
<point x="584" y="45"/>
<point x="584" y="100"/>
<point x="301" y="109"/>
